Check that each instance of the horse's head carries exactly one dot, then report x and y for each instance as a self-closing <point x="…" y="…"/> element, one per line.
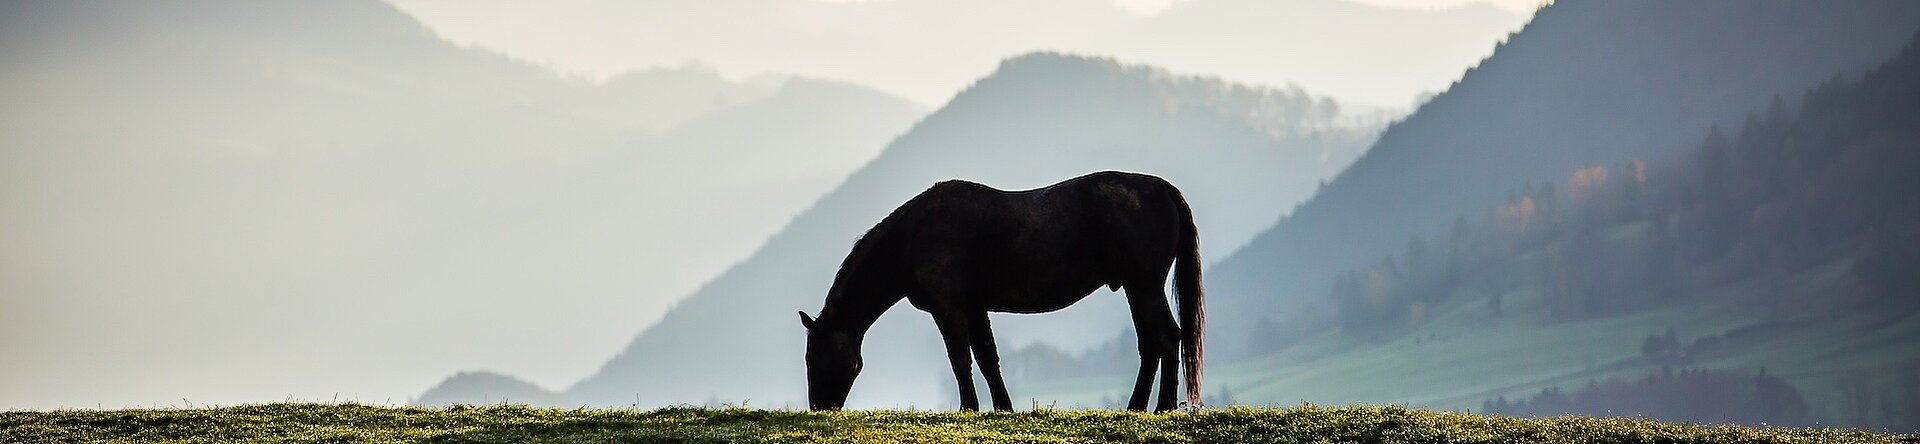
<point x="833" y="360"/>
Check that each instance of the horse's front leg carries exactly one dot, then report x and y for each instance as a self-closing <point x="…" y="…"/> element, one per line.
<point x="981" y="334"/>
<point x="953" y="331"/>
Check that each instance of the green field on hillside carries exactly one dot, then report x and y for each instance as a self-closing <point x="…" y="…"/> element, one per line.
<point x="1303" y="424"/>
<point x="1465" y="353"/>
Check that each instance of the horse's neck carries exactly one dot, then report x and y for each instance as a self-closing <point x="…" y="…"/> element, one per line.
<point x="860" y="298"/>
<point x="857" y="311"/>
<point x="867" y="283"/>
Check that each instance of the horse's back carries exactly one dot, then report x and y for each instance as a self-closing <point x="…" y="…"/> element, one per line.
<point x="1096" y="226"/>
<point x="1114" y="181"/>
<point x="1078" y="204"/>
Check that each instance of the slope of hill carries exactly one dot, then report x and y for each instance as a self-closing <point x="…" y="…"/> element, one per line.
<point x="1787" y="244"/>
<point x="1577" y="87"/>
<point x="1041" y="118"/>
<point x="706" y="193"/>
<point x="263" y="194"/>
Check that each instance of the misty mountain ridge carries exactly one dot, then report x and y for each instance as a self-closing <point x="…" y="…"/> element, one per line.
<point x="277" y="170"/>
<point x="658" y="99"/>
<point x="341" y="60"/>
<point x="758" y="164"/>
<point x="1039" y="119"/>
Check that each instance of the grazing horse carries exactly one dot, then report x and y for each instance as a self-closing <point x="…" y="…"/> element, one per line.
<point x="961" y="249"/>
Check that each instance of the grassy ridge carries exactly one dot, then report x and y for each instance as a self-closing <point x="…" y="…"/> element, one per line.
<point x="357" y="423"/>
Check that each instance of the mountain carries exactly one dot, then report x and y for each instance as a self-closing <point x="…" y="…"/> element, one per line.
<point x="1241" y="153"/>
<point x="1760" y="275"/>
<point x="262" y="197"/>
<point x="659" y="99"/>
<point x="708" y="192"/>
<point x="490" y="388"/>
<point x="1585" y="83"/>
<point x="1787" y="240"/>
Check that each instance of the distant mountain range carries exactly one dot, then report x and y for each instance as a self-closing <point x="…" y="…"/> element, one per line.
<point x="1576" y="88"/>
<point x="1242" y="153"/>
<point x="268" y="171"/>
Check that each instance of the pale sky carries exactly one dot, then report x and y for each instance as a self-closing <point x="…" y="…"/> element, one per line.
<point x="1150" y="7"/>
<point x="927" y="50"/>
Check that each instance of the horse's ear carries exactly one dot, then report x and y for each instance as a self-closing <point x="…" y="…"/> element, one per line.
<point x="806" y="320"/>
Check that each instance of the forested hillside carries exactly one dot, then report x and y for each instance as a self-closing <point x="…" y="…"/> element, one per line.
<point x="1585" y="83"/>
<point x="1802" y="221"/>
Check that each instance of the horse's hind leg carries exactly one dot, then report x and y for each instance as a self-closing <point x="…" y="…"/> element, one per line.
<point x="1169" y="376"/>
<point x="981" y="335"/>
<point x="1154" y="327"/>
<point x="1143" y="385"/>
<point x="953" y="331"/>
<point x="1159" y="338"/>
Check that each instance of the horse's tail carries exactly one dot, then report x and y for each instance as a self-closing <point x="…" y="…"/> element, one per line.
<point x="1191" y="298"/>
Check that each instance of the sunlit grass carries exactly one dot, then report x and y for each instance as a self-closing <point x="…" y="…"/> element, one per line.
<point x="1303" y="424"/>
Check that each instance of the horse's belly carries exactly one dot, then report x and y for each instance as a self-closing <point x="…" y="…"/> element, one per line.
<point x="1038" y="277"/>
<point x="1038" y="299"/>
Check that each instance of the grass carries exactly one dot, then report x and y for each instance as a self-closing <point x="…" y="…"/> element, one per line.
<point x="1303" y="424"/>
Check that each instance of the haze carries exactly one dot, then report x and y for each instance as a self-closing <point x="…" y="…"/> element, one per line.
<point x="928" y="50"/>
<point x="211" y="202"/>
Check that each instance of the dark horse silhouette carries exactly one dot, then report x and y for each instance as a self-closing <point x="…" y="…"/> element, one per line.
<point x="961" y="249"/>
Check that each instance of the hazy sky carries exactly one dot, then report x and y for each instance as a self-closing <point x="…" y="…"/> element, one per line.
<point x="1151" y="7"/>
<point x="929" y="50"/>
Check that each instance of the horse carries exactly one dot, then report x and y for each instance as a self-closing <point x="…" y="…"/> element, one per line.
<point x="961" y="249"/>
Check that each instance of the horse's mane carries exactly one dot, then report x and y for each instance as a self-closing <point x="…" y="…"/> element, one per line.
<point x="867" y="245"/>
